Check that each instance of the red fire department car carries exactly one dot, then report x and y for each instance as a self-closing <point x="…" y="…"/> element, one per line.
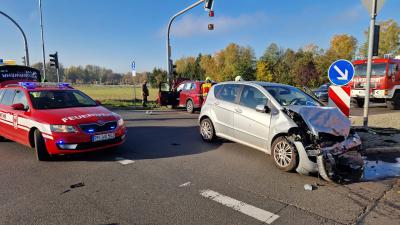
<point x="385" y="82"/>
<point x="55" y="119"/>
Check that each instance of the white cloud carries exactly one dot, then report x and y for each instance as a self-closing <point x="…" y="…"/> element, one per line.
<point x="197" y="25"/>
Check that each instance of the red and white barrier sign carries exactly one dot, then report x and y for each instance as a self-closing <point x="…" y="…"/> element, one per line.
<point x="339" y="96"/>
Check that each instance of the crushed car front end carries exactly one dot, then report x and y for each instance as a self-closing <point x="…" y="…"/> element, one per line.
<point x="324" y="141"/>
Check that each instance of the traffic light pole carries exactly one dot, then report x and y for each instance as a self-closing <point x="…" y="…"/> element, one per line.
<point x="23" y="35"/>
<point x="369" y="62"/>
<point x="169" y="60"/>
<point x="43" y="52"/>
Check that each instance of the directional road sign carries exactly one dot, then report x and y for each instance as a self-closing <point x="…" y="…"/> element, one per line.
<point x="341" y="72"/>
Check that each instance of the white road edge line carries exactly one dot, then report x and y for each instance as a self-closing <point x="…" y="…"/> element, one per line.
<point x="185" y="184"/>
<point x="124" y="161"/>
<point x="256" y="213"/>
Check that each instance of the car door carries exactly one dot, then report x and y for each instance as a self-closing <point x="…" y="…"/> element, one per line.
<point x="251" y="127"/>
<point x="184" y="94"/>
<point x="21" y="118"/>
<point x="6" y="116"/>
<point x="223" y="109"/>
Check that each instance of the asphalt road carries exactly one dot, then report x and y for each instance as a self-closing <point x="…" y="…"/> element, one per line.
<point x="165" y="174"/>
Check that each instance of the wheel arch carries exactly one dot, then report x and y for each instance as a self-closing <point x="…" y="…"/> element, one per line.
<point x="32" y="136"/>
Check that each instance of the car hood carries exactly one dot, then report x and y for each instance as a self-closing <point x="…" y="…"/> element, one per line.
<point x="323" y="119"/>
<point x="75" y="116"/>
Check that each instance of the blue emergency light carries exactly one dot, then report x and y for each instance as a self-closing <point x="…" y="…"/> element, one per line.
<point x="28" y="85"/>
<point x="64" y="85"/>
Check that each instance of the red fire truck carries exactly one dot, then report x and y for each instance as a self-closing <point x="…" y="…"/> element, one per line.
<point x="385" y="81"/>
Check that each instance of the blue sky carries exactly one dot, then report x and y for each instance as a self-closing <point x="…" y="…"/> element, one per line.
<point x="112" y="33"/>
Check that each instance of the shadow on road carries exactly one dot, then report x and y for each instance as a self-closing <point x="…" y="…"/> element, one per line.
<point x="152" y="143"/>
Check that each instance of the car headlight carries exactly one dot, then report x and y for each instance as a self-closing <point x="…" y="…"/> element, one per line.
<point x="62" y="128"/>
<point x="120" y="122"/>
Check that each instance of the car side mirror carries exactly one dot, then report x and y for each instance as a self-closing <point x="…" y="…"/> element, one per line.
<point x="263" y="109"/>
<point x="18" y="106"/>
<point x="98" y="102"/>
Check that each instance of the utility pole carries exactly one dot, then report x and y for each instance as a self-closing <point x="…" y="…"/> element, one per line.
<point x="23" y="35"/>
<point x="43" y="52"/>
<point x="373" y="12"/>
<point x="208" y="6"/>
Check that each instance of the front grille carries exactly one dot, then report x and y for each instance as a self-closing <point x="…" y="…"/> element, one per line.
<point x="96" y="128"/>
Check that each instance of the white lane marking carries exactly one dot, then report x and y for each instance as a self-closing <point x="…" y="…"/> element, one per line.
<point x="124" y="161"/>
<point x="256" y="213"/>
<point x="185" y="184"/>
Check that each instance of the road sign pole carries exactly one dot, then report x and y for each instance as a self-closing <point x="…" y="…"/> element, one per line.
<point x="369" y="62"/>
<point x="133" y="67"/>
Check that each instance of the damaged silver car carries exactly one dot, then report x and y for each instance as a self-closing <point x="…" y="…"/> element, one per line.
<point x="298" y="131"/>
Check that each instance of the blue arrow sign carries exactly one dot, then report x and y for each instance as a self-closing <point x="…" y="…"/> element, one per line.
<point x="341" y="72"/>
<point x="133" y="66"/>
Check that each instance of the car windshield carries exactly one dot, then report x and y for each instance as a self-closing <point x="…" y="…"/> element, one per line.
<point x="58" y="99"/>
<point x="377" y="69"/>
<point x="287" y="95"/>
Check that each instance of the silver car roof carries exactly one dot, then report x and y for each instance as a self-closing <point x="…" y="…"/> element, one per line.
<point x="261" y="83"/>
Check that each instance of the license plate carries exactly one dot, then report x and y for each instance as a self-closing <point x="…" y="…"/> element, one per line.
<point x="103" y="137"/>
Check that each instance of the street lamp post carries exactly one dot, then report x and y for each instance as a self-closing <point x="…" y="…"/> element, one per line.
<point x="169" y="61"/>
<point x="43" y="52"/>
<point x="23" y="35"/>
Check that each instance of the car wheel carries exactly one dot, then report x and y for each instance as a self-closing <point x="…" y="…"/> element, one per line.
<point x="40" y="147"/>
<point x="189" y="106"/>
<point x="284" y="154"/>
<point x="207" y="131"/>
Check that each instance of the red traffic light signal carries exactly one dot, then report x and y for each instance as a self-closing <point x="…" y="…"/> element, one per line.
<point x="211" y="13"/>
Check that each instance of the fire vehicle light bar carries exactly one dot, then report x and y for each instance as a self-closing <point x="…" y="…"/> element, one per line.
<point x="28" y="85"/>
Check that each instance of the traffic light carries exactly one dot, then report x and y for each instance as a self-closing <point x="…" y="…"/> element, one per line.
<point x="375" y="48"/>
<point x="174" y="70"/>
<point x="210" y="26"/>
<point x="208" y="4"/>
<point x="54" y="60"/>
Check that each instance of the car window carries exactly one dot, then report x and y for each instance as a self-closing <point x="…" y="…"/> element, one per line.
<point x="187" y="86"/>
<point x="193" y="86"/>
<point x="1" y="94"/>
<point x="217" y="89"/>
<point x="8" y="97"/>
<point x="251" y="97"/>
<point x="20" y="98"/>
<point x="60" y="99"/>
<point x="287" y="95"/>
<point x="229" y="92"/>
<point x="180" y="87"/>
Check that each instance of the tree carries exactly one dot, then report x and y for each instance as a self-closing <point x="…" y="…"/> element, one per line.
<point x="389" y="40"/>
<point x="158" y="76"/>
<point x="304" y="70"/>
<point x="343" y="46"/>
<point x="209" y="67"/>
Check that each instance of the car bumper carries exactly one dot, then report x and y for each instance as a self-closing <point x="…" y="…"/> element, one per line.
<point x="82" y="142"/>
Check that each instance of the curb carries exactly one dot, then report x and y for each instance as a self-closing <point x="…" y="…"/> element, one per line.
<point x="382" y="150"/>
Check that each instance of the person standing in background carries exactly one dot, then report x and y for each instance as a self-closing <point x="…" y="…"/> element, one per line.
<point x="145" y="93"/>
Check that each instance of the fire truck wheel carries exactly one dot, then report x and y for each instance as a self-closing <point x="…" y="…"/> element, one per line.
<point x="40" y="147"/>
<point x="189" y="106"/>
<point x="360" y="102"/>
<point x="395" y="103"/>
